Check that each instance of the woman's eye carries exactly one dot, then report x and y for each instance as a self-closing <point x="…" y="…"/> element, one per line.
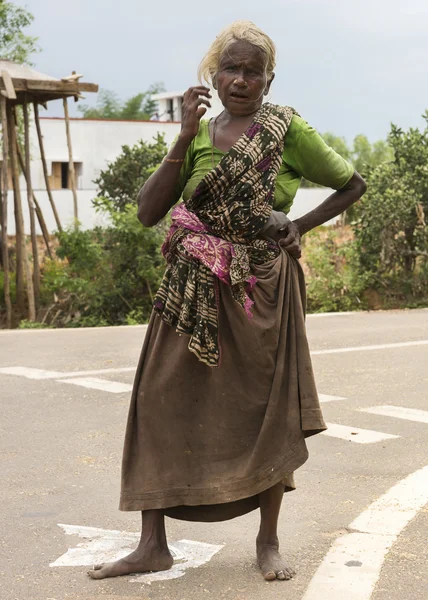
<point x="230" y="69"/>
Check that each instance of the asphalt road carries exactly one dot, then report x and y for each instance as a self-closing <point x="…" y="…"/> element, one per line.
<point x="60" y="452"/>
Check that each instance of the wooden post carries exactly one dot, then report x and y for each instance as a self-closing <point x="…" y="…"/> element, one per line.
<point x="19" y="265"/>
<point x="39" y="212"/>
<point x="31" y="207"/>
<point x="45" y="167"/>
<point x="71" y="173"/>
<point x="22" y="262"/>
<point x="4" y="188"/>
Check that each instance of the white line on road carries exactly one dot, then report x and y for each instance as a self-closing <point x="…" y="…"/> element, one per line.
<point x="327" y="398"/>
<point x="67" y="330"/>
<point x="367" y="348"/>
<point x="332" y="314"/>
<point x="31" y="373"/>
<point x="399" y="412"/>
<point x="107" y="545"/>
<point x="104" y="385"/>
<point x="354" y="434"/>
<point x="99" y="371"/>
<point x="352" y="566"/>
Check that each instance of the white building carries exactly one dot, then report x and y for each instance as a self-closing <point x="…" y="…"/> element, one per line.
<point x="95" y="144"/>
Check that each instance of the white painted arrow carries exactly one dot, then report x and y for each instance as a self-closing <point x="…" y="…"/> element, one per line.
<point x="109" y="545"/>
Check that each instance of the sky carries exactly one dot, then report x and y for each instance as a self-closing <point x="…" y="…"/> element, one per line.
<point x="346" y="66"/>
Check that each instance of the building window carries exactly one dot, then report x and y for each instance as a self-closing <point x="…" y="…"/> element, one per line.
<point x="60" y="178"/>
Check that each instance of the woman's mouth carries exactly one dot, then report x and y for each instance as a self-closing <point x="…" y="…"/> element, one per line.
<point x="238" y="96"/>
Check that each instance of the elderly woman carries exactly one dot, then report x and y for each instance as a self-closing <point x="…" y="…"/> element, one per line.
<point x="224" y="394"/>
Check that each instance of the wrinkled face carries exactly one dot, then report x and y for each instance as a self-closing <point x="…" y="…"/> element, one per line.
<point x="241" y="79"/>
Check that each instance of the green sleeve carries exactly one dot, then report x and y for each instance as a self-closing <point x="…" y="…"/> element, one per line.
<point x="312" y="159"/>
<point x="185" y="170"/>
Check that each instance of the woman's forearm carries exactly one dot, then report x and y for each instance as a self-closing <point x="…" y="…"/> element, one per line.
<point x="333" y="206"/>
<point x="158" y="193"/>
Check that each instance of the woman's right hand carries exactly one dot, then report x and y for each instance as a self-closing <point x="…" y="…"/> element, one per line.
<point x="195" y="103"/>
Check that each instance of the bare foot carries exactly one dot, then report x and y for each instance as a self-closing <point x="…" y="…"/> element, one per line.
<point x="144" y="559"/>
<point x="271" y="563"/>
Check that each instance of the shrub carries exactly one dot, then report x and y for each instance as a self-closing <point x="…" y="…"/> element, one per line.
<point x="390" y="226"/>
<point x="334" y="282"/>
<point x="104" y="276"/>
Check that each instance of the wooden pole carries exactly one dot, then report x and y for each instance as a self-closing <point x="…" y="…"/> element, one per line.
<point x="45" y="167"/>
<point x="19" y="265"/>
<point x="4" y="188"/>
<point x="39" y="212"/>
<point x="22" y="262"/>
<point x="31" y="207"/>
<point x="71" y="173"/>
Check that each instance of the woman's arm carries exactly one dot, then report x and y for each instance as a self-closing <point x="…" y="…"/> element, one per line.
<point x="158" y="193"/>
<point x="333" y="206"/>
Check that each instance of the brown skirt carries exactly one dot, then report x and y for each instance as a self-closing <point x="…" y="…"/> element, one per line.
<point x="202" y="442"/>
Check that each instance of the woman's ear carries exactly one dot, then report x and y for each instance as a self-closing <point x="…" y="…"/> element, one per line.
<point x="269" y="83"/>
<point x="214" y="81"/>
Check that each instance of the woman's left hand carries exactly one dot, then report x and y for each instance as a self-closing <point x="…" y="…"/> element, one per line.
<point x="291" y="240"/>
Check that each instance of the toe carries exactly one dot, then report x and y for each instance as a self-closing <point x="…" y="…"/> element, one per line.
<point x="269" y="576"/>
<point x="281" y="575"/>
<point x="94" y="574"/>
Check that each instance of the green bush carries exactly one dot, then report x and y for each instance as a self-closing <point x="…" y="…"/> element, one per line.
<point x="334" y="281"/>
<point x="24" y="324"/>
<point x="105" y="276"/>
<point x="124" y="177"/>
<point x="390" y="227"/>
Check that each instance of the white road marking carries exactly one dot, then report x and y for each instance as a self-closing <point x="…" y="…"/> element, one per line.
<point x="332" y="314"/>
<point x="95" y="383"/>
<point x="354" y="434"/>
<point x="368" y="348"/>
<point x="399" y="412"/>
<point x="31" y="373"/>
<point x="99" y="371"/>
<point x="327" y="398"/>
<point x="48" y="330"/>
<point x="104" y="545"/>
<point x="352" y="566"/>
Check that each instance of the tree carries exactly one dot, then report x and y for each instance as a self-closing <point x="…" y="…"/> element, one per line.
<point x="108" y="106"/>
<point x="391" y="228"/>
<point x="366" y="155"/>
<point x="137" y="108"/>
<point x="14" y="44"/>
<point x="124" y="177"/>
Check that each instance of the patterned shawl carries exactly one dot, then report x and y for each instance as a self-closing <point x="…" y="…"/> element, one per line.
<point x="215" y="235"/>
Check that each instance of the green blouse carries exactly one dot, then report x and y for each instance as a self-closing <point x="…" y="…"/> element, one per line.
<point x="305" y="155"/>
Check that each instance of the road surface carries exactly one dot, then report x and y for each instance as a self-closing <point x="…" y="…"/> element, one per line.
<point x="356" y="528"/>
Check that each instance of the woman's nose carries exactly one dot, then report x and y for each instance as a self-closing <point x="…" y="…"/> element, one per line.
<point x="240" y="79"/>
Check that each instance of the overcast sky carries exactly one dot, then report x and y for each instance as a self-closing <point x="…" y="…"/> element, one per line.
<point x="347" y="66"/>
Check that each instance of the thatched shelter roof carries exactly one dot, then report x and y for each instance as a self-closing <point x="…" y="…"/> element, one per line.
<point x="20" y="84"/>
